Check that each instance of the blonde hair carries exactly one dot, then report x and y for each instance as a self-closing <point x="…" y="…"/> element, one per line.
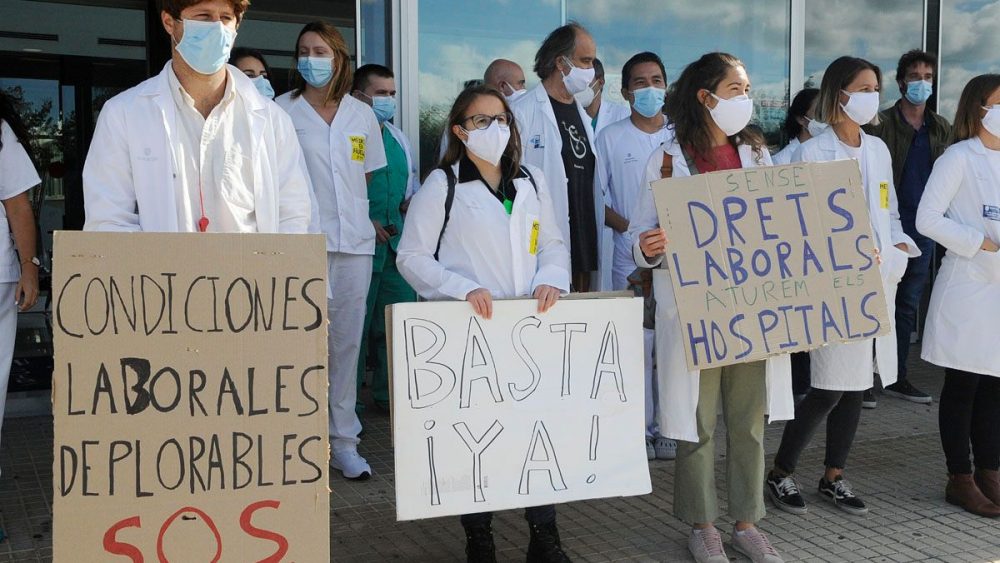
<point x="837" y="77"/>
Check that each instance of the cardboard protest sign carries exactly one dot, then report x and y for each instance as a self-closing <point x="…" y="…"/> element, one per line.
<point x="767" y="261"/>
<point x="520" y="410"/>
<point x="190" y="397"/>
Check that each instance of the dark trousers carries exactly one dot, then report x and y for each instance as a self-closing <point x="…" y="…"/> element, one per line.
<point x="801" y="379"/>
<point x="909" y="295"/>
<point x="533" y="514"/>
<point x="970" y="413"/>
<point x="842" y="411"/>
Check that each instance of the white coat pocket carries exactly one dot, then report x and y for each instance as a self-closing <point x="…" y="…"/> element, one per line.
<point x="894" y="263"/>
<point x="364" y="230"/>
<point x="984" y="266"/>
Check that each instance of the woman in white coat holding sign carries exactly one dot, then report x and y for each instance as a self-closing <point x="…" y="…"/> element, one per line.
<point x="710" y="109"/>
<point x="960" y="209"/>
<point x="848" y="99"/>
<point x="482" y="228"/>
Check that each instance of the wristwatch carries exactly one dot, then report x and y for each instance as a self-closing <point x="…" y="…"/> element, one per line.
<point x="34" y="260"/>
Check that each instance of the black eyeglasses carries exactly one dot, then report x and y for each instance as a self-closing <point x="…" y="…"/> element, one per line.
<point x="481" y="121"/>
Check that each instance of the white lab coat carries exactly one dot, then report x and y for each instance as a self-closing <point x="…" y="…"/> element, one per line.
<point x="848" y="366"/>
<point x="130" y="179"/>
<point x="413" y="181"/>
<point x="472" y="252"/>
<point x="609" y="113"/>
<point x="679" y="387"/>
<point x="963" y="321"/>
<point x="541" y="145"/>
<point x="784" y="156"/>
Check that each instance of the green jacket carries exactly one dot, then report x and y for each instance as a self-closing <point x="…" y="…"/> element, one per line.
<point x="898" y="136"/>
<point x="386" y="192"/>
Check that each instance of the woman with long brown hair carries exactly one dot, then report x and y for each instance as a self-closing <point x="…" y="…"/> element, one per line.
<point x="960" y="209"/>
<point x="710" y="109"/>
<point x="463" y="231"/>
<point x="342" y="144"/>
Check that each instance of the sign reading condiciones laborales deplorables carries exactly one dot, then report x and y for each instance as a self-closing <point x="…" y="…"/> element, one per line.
<point x="190" y="398"/>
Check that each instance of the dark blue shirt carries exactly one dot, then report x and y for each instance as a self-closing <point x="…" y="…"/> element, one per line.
<point x="916" y="171"/>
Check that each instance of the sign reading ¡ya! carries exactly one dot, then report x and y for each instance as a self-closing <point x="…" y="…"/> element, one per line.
<point x="520" y="410"/>
<point x="773" y="260"/>
<point x="189" y="397"/>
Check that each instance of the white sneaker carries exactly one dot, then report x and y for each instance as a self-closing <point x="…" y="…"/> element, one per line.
<point x="755" y="545"/>
<point x="351" y="464"/>
<point x="650" y="449"/>
<point x="665" y="448"/>
<point x="705" y="546"/>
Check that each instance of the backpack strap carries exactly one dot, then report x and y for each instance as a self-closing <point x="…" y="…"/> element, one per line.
<point x="692" y="167"/>
<point x="448" y="201"/>
<point x="530" y="177"/>
<point x="667" y="166"/>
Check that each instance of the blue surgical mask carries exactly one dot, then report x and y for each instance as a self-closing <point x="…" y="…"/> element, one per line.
<point x="317" y="71"/>
<point x="205" y="46"/>
<point x="263" y="86"/>
<point x="649" y="101"/>
<point x="919" y="91"/>
<point x="384" y="107"/>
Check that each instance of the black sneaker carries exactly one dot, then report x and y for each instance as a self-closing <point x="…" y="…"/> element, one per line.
<point x="479" y="546"/>
<point x="904" y="390"/>
<point x="840" y="494"/>
<point x="544" y="546"/>
<point x="869" y="401"/>
<point x="785" y="493"/>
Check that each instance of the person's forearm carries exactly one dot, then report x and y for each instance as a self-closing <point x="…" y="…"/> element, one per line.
<point x="22" y="226"/>
<point x="614" y="220"/>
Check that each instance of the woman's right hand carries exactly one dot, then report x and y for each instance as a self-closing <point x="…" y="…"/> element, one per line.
<point x="653" y="242"/>
<point x="482" y="302"/>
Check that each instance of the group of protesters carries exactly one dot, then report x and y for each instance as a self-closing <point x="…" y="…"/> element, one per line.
<point x="542" y="192"/>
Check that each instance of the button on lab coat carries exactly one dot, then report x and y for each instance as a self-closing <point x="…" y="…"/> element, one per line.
<point x="679" y="387"/>
<point x="130" y="179"/>
<point x="959" y="209"/>
<point x="541" y="145"/>
<point x="482" y="246"/>
<point x="848" y="366"/>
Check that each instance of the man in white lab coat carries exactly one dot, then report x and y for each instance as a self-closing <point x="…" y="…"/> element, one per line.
<point x="196" y="148"/>
<point x="557" y="137"/>
<point x="602" y="112"/>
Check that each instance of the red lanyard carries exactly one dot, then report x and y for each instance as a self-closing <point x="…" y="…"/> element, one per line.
<point x="203" y="222"/>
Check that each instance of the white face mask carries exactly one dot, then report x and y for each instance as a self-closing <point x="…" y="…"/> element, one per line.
<point x="991" y="121"/>
<point x="861" y="107"/>
<point x="488" y="144"/>
<point x="732" y="115"/>
<point x="815" y="128"/>
<point x="515" y="95"/>
<point x="578" y="79"/>
<point x="586" y="97"/>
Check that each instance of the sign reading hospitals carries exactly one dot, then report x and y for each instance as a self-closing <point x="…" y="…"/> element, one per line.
<point x="190" y="398"/>
<point x="524" y="409"/>
<point x="767" y="261"/>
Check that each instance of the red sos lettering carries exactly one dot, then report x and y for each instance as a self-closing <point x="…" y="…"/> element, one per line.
<point x="115" y="547"/>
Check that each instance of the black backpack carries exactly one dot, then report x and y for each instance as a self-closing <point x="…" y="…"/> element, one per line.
<point x="450" y="199"/>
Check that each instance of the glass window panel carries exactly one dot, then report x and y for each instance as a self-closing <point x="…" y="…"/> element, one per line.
<point x="375" y="40"/>
<point x="877" y="30"/>
<point x="969" y="45"/>
<point x="68" y="29"/>
<point x="458" y="39"/>
<point x="680" y="32"/>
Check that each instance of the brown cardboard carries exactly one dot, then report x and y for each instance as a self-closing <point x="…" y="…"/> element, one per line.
<point x="774" y="302"/>
<point x="272" y="501"/>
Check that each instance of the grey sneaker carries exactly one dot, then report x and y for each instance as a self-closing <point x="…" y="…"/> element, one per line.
<point x="705" y="546"/>
<point x="755" y="545"/>
<point x="665" y="448"/>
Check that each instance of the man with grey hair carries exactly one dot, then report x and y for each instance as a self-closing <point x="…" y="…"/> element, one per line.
<point x="506" y="76"/>
<point x="557" y="137"/>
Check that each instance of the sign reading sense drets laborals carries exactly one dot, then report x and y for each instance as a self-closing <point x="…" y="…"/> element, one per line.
<point x="767" y="261"/>
<point x="524" y="409"/>
<point x="190" y="398"/>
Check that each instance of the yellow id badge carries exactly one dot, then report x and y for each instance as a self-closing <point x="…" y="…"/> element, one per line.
<point x="533" y="243"/>
<point x="883" y="192"/>
<point x="357" y="148"/>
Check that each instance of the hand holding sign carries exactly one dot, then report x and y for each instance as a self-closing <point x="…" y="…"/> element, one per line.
<point x="653" y="242"/>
